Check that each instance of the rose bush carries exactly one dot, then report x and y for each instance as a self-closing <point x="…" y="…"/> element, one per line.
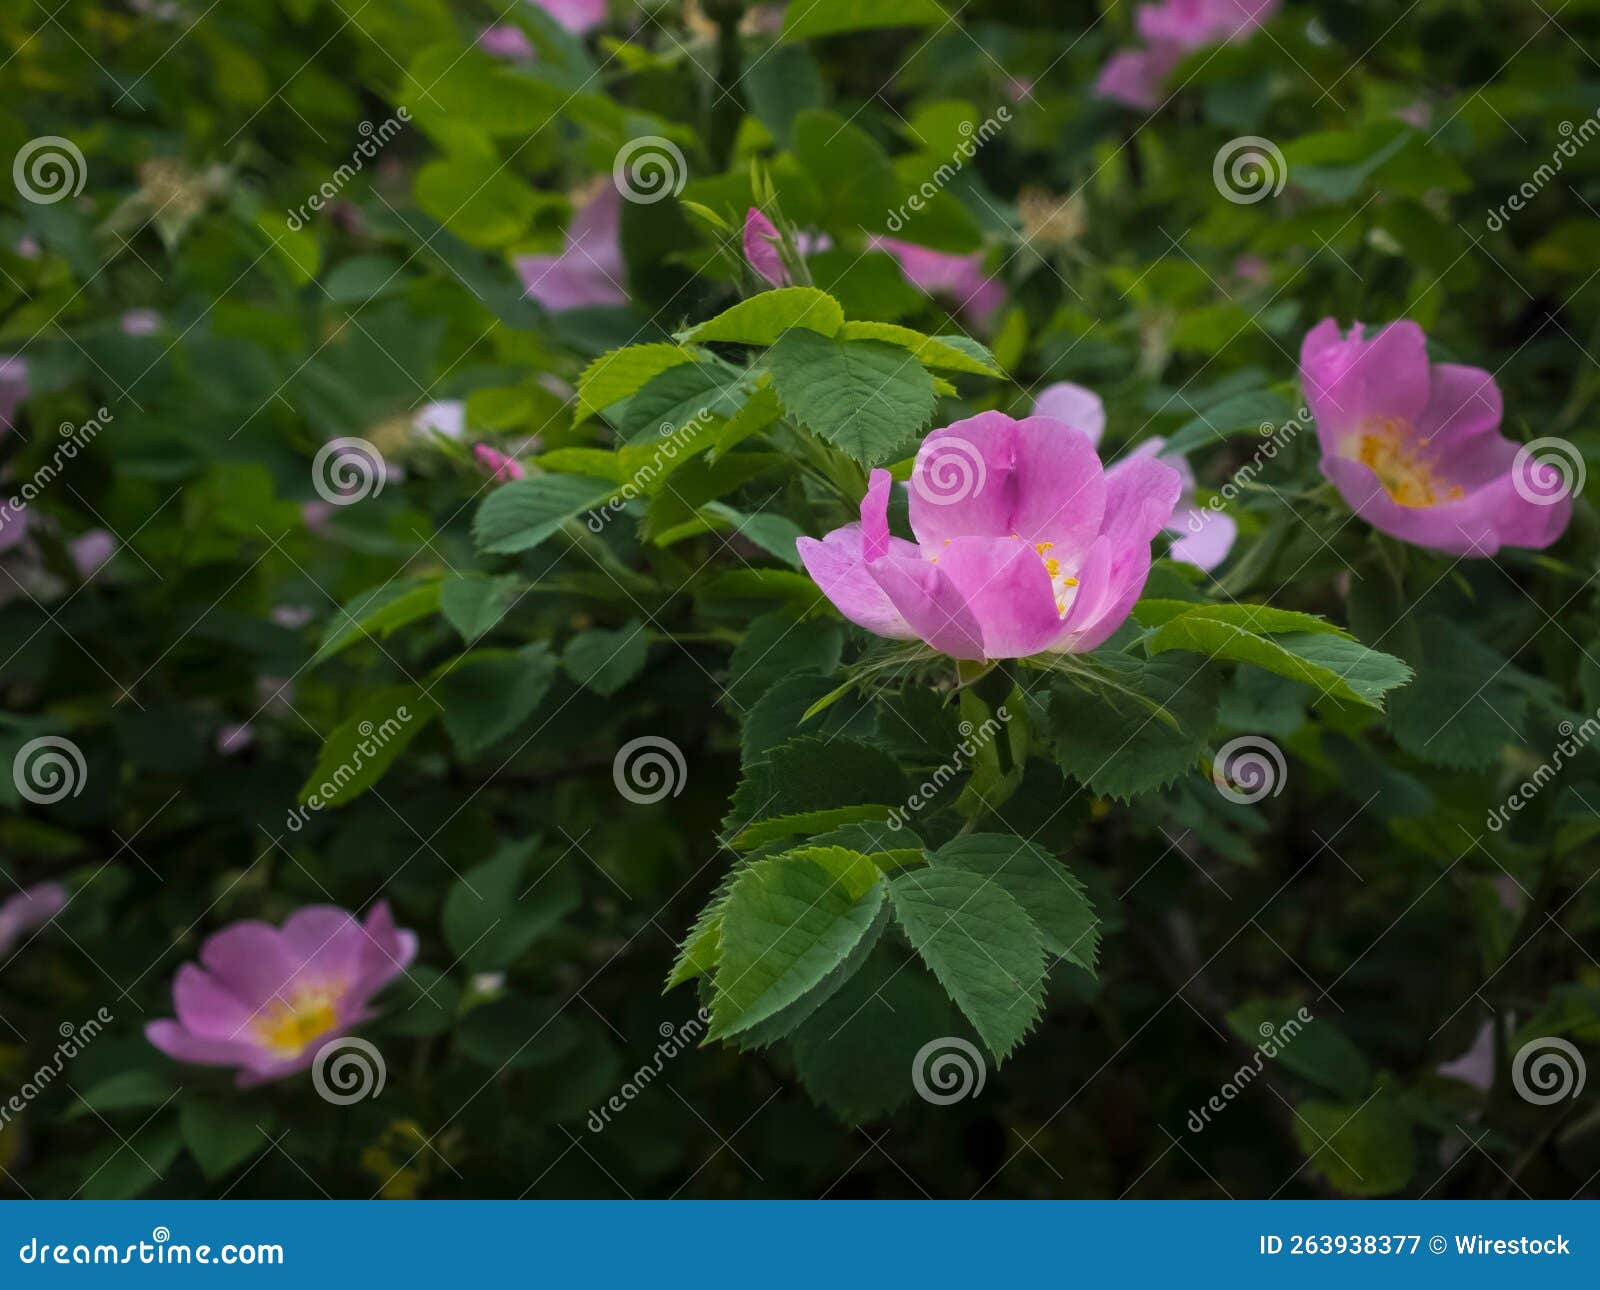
<point x="1030" y="565"/>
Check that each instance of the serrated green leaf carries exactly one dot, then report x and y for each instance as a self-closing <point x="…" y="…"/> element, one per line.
<point x="1046" y="890"/>
<point x="221" y="1136"/>
<point x="621" y="373"/>
<point x="605" y="661"/>
<point x="787" y="924"/>
<point x="473" y="604"/>
<point x="949" y="353"/>
<point x="379" y="612"/>
<point x="520" y="515"/>
<point x="487" y="694"/>
<point x="763" y="318"/>
<point x="1315" y="1049"/>
<point x="692" y="393"/>
<point x="866" y="398"/>
<point x="982" y="946"/>
<point x="359" y="750"/>
<point x="496" y="909"/>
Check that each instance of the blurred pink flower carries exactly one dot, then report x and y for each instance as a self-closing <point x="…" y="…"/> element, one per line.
<point x="1252" y="269"/>
<point x="1415" y="447"/>
<point x="445" y="416"/>
<point x="140" y="322"/>
<point x="1170" y="30"/>
<point x="1476" y="1065"/>
<point x="499" y="467"/>
<point x="265" y="999"/>
<point x="761" y="247"/>
<point x="589" y="269"/>
<point x="505" y="40"/>
<point x="13" y="388"/>
<point x="90" y="551"/>
<point x="28" y="247"/>
<point x="959" y="279"/>
<point x="1418" y="115"/>
<point x="577" y="16"/>
<point x="32" y="907"/>
<point x="235" y="737"/>
<point x="1024" y="544"/>
<point x="13" y="523"/>
<point x="1201" y="536"/>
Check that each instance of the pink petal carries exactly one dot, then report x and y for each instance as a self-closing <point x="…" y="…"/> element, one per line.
<point x="178" y="1044"/>
<point x="385" y="952"/>
<point x="1204" y="536"/>
<point x="1349" y="381"/>
<point x="958" y="278"/>
<point x="1135" y="77"/>
<point x="761" y="248"/>
<point x="1008" y="592"/>
<point x="992" y="476"/>
<point x="838" y="565"/>
<point x="930" y="603"/>
<point x="577" y="16"/>
<point x="251" y="960"/>
<point x="1073" y="405"/>
<point x="208" y="1009"/>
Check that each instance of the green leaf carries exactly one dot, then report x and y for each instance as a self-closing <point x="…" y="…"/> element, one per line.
<point x="787" y="924"/>
<point x="982" y="946"/>
<point x="949" y="353"/>
<point x="866" y="398"/>
<point x="119" y="1170"/>
<point x="1336" y="666"/>
<point x="473" y="604"/>
<point x="297" y="249"/>
<point x="1046" y="890"/>
<point x="1259" y="412"/>
<point x="1316" y="1049"/>
<point x="520" y="515"/>
<point x="760" y="411"/>
<point x="483" y="206"/>
<point x="362" y="747"/>
<point x="605" y="661"/>
<point x="487" y="694"/>
<point x="495" y="910"/>
<point x="1262" y="619"/>
<point x="763" y="318"/>
<point x="857" y="1052"/>
<point x="379" y="612"/>
<point x="679" y="396"/>
<point x="1136" y="726"/>
<point x="1465" y="705"/>
<point x="514" y="1032"/>
<point x="221" y="1136"/>
<point x="829" y="17"/>
<point x="778" y="645"/>
<point x="1363" y="1149"/>
<point x="615" y="376"/>
<point x="809" y="777"/>
<point x="125" y="1091"/>
<point x="701" y="950"/>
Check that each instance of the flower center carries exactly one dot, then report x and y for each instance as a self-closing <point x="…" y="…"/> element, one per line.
<point x="287" y="1027"/>
<point x="1063" y="584"/>
<point x="1388" y="448"/>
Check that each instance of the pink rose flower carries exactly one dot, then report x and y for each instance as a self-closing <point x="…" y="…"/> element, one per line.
<point x="90" y="551"/>
<point x="1137" y="77"/>
<point x="140" y="322"/>
<point x="506" y="40"/>
<point x="957" y="278"/>
<point x="589" y="269"/>
<point x="265" y="999"/>
<point x="235" y="737"/>
<point x="761" y="247"/>
<point x="500" y="467"/>
<point x="1024" y="544"/>
<point x="578" y="16"/>
<point x="1415" y="447"/>
<point x="32" y="907"/>
<point x="1201" y="536"/>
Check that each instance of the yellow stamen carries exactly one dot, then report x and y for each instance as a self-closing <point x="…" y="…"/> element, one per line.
<point x="288" y="1027"/>
<point x="1387" y="448"/>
